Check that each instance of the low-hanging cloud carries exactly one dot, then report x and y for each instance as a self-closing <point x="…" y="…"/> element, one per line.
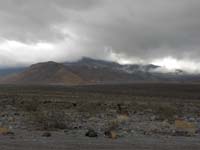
<point x="124" y="31"/>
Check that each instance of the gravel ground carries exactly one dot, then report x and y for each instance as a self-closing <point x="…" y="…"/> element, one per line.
<point x="141" y="117"/>
<point x="27" y="140"/>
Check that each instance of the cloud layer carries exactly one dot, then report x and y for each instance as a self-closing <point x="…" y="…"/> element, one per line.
<point x="125" y="31"/>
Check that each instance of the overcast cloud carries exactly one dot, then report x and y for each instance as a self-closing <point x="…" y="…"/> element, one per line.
<point x="138" y="31"/>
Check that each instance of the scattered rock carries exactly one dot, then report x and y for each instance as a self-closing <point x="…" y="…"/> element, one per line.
<point x="198" y="125"/>
<point x="191" y="119"/>
<point x="148" y="111"/>
<point x="10" y="133"/>
<point x="46" y="134"/>
<point x="122" y="133"/>
<point x="140" y="113"/>
<point x="66" y="131"/>
<point x="74" y="104"/>
<point x="17" y="114"/>
<point x="153" y="118"/>
<point x="12" y="137"/>
<point x="198" y="131"/>
<point x="91" y="133"/>
<point x="180" y="133"/>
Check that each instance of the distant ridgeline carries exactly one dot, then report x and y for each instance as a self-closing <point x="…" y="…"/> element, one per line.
<point x="8" y="71"/>
<point x="91" y="71"/>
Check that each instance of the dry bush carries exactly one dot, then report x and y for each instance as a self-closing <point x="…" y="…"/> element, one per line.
<point x="30" y="105"/>
<point x="91" y="108"/>
<point x="183" y="126"/>
<point x="165" y="112"/>
<point x="113" y="125"/>
<point x="49" y="119"/>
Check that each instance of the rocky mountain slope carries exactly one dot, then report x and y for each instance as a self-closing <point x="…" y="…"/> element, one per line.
<point x="90" y="71"/>
<point x="44" y="73"/>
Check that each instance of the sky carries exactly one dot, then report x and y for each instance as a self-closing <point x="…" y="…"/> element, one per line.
<point x="161" y="32"/>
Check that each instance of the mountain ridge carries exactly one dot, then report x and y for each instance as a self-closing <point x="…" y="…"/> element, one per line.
<point x="91" y="71"/>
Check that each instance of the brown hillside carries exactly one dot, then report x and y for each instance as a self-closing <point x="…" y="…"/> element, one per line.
<point x="45" y="73"/>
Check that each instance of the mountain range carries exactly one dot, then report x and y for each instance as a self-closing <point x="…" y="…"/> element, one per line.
<point x="91" y="71"/>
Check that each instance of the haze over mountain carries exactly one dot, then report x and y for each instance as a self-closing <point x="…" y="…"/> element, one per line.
<point x="91" y="71"/>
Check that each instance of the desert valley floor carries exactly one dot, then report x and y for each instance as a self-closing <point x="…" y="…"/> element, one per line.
<point x="140" y="116"/>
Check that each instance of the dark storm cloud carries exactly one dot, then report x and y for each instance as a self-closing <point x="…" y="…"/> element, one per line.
<point x="134" y="29"/>
<point x="150" y="29"/>
<point x="33" y="20"/>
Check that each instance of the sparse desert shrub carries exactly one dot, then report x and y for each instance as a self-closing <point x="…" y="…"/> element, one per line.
<point x="91" y="108"/>
<point x="30" y="105"/>
<point x="113" y="124"/>
<point x="49" y="119"/>
<point x="111" y="134"/>
<point x="165" y="112"/>
<point x="122" y="118"/>
<point x="185" y="127"/>
<point x="138" y="106"/>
